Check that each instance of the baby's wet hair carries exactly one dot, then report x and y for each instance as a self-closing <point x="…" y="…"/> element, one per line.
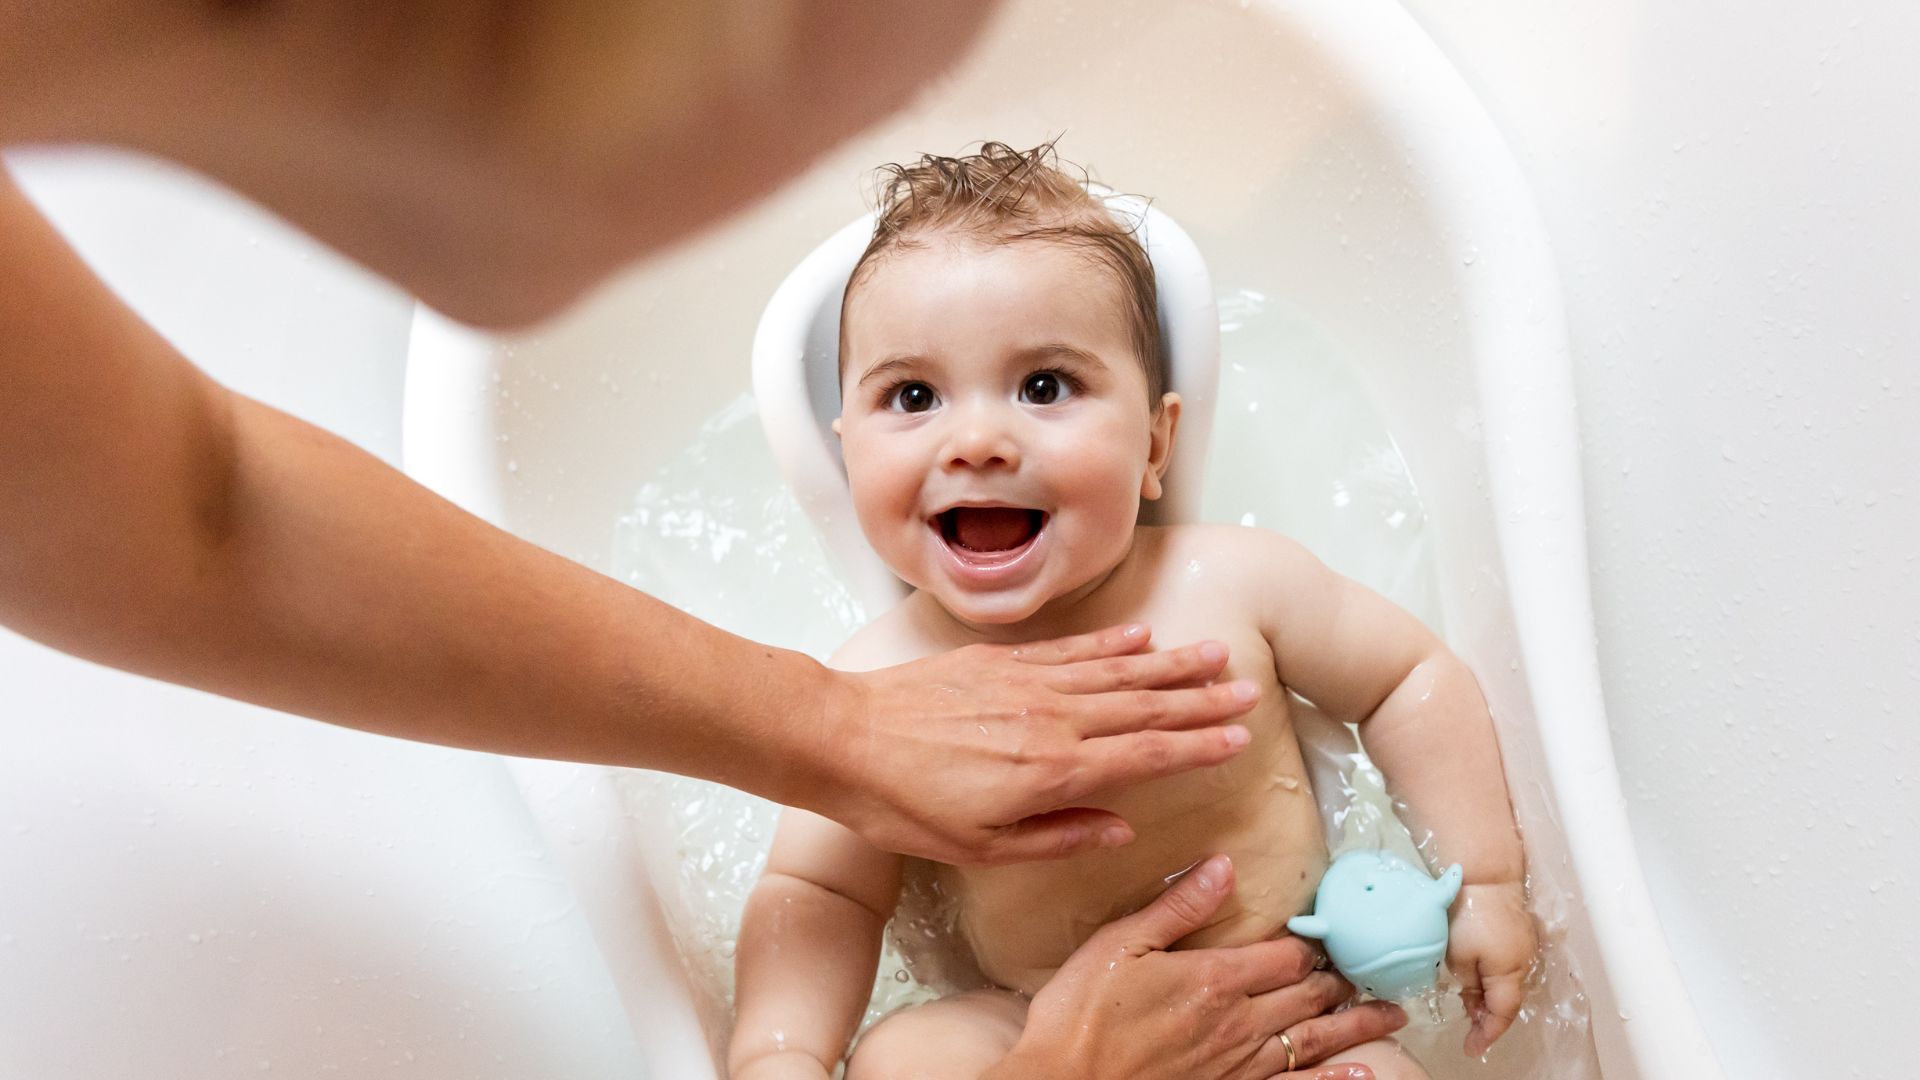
<point x="1001" y="195"/>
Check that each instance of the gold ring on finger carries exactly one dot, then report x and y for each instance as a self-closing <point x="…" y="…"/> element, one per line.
<point x="1286" y="1043"/>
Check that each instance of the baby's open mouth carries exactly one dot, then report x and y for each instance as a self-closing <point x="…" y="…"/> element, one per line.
<point x="990" y="530"/>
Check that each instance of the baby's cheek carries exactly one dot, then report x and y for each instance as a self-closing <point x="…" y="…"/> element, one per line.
<point x="1108" y="535"/>
<point x="1115" y="498"/>
<point x="883" y="517"/>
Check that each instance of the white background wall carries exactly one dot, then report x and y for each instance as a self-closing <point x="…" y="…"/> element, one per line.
<point x="1729" y="189"/>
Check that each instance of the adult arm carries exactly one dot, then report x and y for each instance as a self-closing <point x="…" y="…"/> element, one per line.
<point x="153" y="520"/>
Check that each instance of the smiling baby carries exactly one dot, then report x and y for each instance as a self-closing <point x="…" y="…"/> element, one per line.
<point x="1004" y="412"/>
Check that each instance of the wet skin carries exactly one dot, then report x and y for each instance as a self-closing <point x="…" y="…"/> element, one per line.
<point x="1024" y="920"/>
<point x="1000" y="440"/>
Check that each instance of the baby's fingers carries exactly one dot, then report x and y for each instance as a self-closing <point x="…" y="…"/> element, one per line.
<point x="1495" y="1004"/>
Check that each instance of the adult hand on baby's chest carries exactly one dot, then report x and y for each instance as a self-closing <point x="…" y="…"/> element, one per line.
<point x="991" y="754"/>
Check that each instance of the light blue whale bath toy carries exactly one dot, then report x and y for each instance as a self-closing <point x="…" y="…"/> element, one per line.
<point x="1384" y="922"/>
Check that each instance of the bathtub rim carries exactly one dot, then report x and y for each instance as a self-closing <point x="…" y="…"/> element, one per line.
<point x="1523" y="368"/>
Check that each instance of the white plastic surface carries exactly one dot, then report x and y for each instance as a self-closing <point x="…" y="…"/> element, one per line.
<point x="1729" y="194"/>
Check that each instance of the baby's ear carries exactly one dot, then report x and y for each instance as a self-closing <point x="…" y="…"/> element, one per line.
<point x="1166" y="420"/>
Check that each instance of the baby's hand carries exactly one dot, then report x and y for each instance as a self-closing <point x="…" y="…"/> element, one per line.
<point x="1490" y="947"/>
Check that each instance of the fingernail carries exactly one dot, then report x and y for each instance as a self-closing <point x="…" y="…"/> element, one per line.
<point x="1115" y="836"/>
<point x="1244" y="691"/>
<point x="1238" y="736"/>
<point x="1133" y="631"/>
<point x="1213" y="652"/>
<point x="1212" y="872"/>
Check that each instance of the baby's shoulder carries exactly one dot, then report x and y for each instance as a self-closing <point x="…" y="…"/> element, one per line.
<point x="1259" y="574"/>
<point x="1235" y="556"/>
<point x="895" y="637"/>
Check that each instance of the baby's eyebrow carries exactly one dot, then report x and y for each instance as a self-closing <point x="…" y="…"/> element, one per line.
<point x="887" y="367"/>
<point x="1052" y="350"/>
<point x="1060" y="350"/>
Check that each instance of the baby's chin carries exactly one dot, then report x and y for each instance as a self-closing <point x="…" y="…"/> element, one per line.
<point x="1016" y="603"/>
<point x="989" y="609"/>
<point x="1004" y="607"/>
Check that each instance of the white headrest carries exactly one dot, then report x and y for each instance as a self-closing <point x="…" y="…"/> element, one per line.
<point x="796" y="383"/>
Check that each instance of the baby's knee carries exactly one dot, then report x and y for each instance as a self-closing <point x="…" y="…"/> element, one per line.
<point x="1388" y="1060"/>
<point x="951" y="1039"/>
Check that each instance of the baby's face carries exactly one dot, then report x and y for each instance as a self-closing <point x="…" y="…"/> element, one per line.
<point x="995" y="423"/>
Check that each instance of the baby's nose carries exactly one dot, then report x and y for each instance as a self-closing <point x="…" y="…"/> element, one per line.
<point x="982" y="439"/>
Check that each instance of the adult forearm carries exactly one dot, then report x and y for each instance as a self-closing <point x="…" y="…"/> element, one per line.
<point x="153" y="520"/>
<point x="308" y="576"/>
<point x="1433" y="739"/>
<point x="452" y="631"/>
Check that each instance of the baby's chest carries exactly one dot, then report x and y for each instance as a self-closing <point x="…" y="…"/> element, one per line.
<point x="1211" y="614"/>
<point x="1262" y="814"/>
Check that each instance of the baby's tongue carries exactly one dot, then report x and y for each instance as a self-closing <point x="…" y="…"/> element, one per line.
<point x="991" y="528"/>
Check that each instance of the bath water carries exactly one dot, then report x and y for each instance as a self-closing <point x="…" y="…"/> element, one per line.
<point x="1297" y="447"/>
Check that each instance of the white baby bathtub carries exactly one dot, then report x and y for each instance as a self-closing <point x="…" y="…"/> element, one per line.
<point x="1322" y="149"/>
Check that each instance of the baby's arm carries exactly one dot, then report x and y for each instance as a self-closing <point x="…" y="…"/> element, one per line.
<point x="1363" y="660"/>
<point x="809" y="944"/>
<point x="810" y="937"/>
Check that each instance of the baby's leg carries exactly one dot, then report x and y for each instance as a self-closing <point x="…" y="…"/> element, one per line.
<point x="955" y="1038"/>
<point x="1387" y="1059"/>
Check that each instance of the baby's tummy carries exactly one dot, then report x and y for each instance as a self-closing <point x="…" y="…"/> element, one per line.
<point x="1024" y="921"/>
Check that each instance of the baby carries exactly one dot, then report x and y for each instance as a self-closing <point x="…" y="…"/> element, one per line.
<point x="1003" y="413"/>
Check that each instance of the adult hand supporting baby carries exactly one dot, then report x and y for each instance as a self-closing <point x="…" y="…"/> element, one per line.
<point x="1124" y="1006"/>
<point x="978" y="755"/>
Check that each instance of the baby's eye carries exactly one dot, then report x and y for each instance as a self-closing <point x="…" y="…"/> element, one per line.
<point x="913" y="397"/>
<point x="1044" y="388"/>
